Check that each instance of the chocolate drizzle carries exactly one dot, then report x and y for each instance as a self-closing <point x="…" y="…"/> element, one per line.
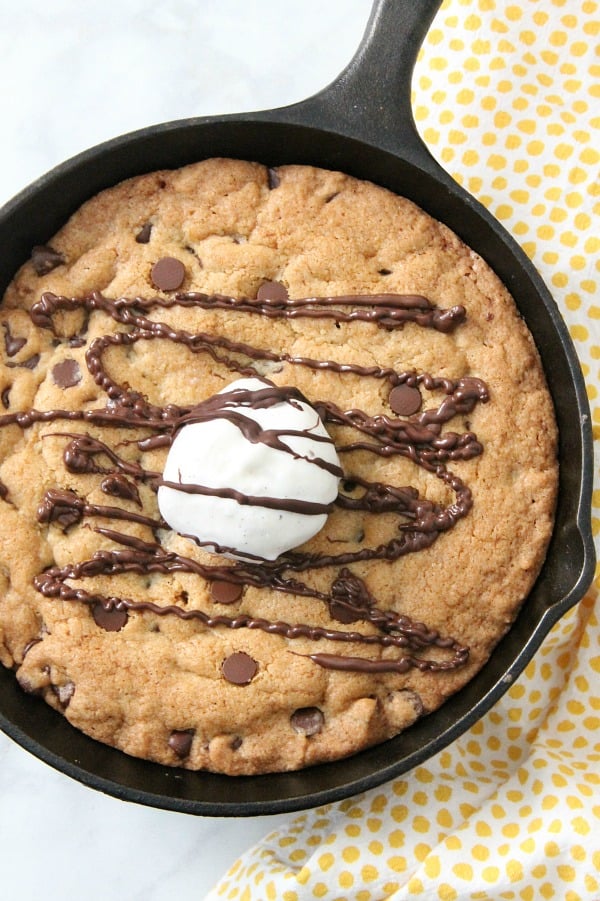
<point x="220" y="406"/>
<point x="12" y="344"/>
<point x="420" y="438"/>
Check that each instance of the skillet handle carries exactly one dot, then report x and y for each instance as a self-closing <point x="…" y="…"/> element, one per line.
<point x="371" y="99"/>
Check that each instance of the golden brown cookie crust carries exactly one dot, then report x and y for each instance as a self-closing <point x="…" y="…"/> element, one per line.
<point x="155" y="688"/>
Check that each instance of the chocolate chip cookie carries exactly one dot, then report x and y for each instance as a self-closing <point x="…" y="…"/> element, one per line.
<point x="304" y="287"/>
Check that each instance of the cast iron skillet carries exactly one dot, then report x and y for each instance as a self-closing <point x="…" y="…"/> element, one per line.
<point x="361" y="124"/>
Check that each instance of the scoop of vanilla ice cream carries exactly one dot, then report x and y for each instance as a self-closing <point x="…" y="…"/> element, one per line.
<point x="249" y="489"/>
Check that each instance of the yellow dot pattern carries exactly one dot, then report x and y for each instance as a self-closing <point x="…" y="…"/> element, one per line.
<point x="507" y="97"/>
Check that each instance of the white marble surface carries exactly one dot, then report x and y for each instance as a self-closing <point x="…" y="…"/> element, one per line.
<point x="74" y="74"/>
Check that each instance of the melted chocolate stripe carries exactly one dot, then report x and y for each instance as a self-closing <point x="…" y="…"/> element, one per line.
<point x="388" y="310"/>
<point x="56" y="503"/>
<point x="401" y="665"/>
<point x="51" y="584"/>
<point x="291" y="505"/>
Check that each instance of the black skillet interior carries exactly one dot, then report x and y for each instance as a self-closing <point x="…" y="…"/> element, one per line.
<point x="361" y="124"/>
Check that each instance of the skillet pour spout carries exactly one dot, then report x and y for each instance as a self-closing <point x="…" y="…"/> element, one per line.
<point x="361" y="124"/>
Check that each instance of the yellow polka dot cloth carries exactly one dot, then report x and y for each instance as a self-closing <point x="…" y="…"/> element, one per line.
<point x="507" y="96"/>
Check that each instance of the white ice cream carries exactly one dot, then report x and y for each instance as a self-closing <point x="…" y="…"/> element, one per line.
<point x="215" y="454"/>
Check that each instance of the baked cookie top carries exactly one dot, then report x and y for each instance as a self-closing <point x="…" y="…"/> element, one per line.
<point x="164" y="291"/>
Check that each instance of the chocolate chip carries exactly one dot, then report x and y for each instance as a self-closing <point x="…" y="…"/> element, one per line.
<point x="45" y="258"/>
<point x="61" y="507"/>
<point x="180" y="741"/>
<point x="13" y="345"/>
<point x="405" y="400"/>
<point x="143" y="236"/>
<point x="236" y="743"/>
<point x="66" y="374"/>
<point x="168" y="274"/>
<point x="273" y="178"/>
<point x="76" y="341"/>
<point x="110" y="619"/>
<point x="31" y="362"/>
<point x="3" y="491"/>
<point x="223" y="592"/>
<point x="67" y="518"/>
<point x="5" y="395"/>
<point x="415" y="699"/>
<point x="118" y="486"/>
<point x="239" y="668"/>
<point x="344" y="613"/>
<point x="410" y="696"/>
<point x="384" y="271"/>
<point x="350" y="601"/>
<point x="272" y="291"/>
<point x="64" y="693"/>
<point x="307" y="720"/>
